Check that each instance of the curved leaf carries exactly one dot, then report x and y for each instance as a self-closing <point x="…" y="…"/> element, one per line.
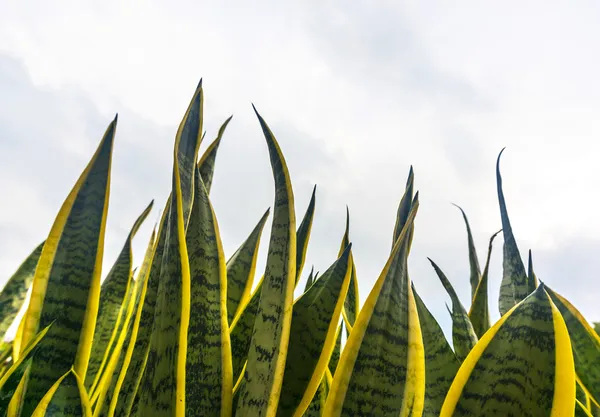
<point x="473" y="261"/>
<point x="66" y="398"/>
<point x="479" y="314"/>
<point x="515" y="284"/>
<point x="208" y="370"/>
<point x="206" y="165"/>
<point x="585" y="342"/>
<point x="312" y="337"/>
<point x="463" y="334"/>
<point x="309" y="280"/>
<point x="303" y="235"/>
<point x="241" y="333"/>
<point x="522" y="366"/>
<point x="259" y="395"/>
<point x="15" y="290"/>
<point x="441" y="363"/>
<point x="351" y="304"/>
<point x="111" y="307"/>
<point x="66" y="286"/>
<point x="337" y="350"/>
<point x="382" y="371"/>
<point x="241" y="268"/>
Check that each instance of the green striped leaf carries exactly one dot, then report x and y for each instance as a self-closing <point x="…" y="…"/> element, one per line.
<point x="441" y="363"/>
<point x="530" y="272"/>
<point x="463" y="334"/>
<point x="312" y="337"/>
<point x="110" y="311"/>
<point x="351" y="304"/>
<point x="208" y="370"/>
<point x="473" y="261"/>
<point x="303" y="235"/>
<point x="13" y="376"/>
<point x="382" y="368"/>
<point x="337" y="350"/>
<point x="318" y="402"/>
<point x="111" y="382"/>
<point x="141" y="337"/>
<point x="66" y="398"/>
<point x="206" y="165"/>
<point x="404" y="207"/>
<point x="479" y="314"/>
<point x="259" y="395"/>
<point x="515" y="284"/>
<point x="585" y="342"/>
<point x="15" y="290"/>
<point x="243" y="323"/>
<point x="309" y="280"/>
<point x="241" y="268"/>
<point x="523" y="366"/>
<point x="66" y="286"/>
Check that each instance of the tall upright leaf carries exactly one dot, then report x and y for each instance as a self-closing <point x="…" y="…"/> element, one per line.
<point x="351" y="304"/>
<point x="473" y="261"/>
<point x="259" y="395"/>
<point x="479" y="314"/>
<point x="241" y="268"/>
<point x="208" y="370"/>
<point x="382" y="368"/>
<point x="312" y="341"/>
<point x="15" y="290"/>
<point x="441" y="363"/>
<point x="515" y="284"/>
<point x="66" y="398"/>
<point x="66" y="286"/>
<point x="523" y="366"/>
<point x="303" y="235"/>
<point x="530" y="272"/>
<point x="463" y="334"/>
<point x="309" y="279"/>
<point x="110" y="310"/>
<point x="206" y="165"/>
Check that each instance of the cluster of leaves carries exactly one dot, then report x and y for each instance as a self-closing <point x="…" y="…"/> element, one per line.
<point x="185" y="334"/>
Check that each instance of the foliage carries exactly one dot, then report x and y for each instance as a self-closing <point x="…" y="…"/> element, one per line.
<point x="189" y="334"/>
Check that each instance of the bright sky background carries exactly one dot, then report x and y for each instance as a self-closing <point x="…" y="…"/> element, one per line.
<point x="355" y="92"/>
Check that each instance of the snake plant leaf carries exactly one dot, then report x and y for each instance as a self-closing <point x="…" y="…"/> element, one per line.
<point x="102" y="397"/>
<point x="523" y="366"/>
<point x="140" y="340"/>
<point x="515" y="284"/>
<point x="208" y="370"/>
<point x="530" y="272"/>
<point x="187" y="144"/>
<point x="124" y="385"/>
<point x="206" y="165"/>
<point x="110" y="311"/>
<point x="473" y="261"/>
<point x="164" y="381"/>
<point x="581" y="410"/>
<point x="351" y="304"/>
<point x="15" y="290"/>
<point x="303" y="235"/>
<point x="585" y="342"/>
<point x="312" y="338"/>
<point x="337" y="350"/>
<point x="259" y="395"/>
<point x="243" y="322"/>
<point x="404" y="207"/>
<point x="463" y="334"/>
<point x="13" y="377"/>
<point x="241" y="333"/>
<point x="382" y="367"/>
<point x="310" y="279"/>
<point x="441" y="363"/>
<point x="241" y="268"/>
<point x="596" y="327"/>
<point x="318" y="402"/>
<point x="479" y="314"/>
<point x="66" y="398"/>
<point x="66" y="286"/>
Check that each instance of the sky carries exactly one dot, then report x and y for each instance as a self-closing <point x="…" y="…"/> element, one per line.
<point x="355" y="93"/>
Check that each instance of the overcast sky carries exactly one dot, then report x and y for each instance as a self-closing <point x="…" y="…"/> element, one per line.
<point x="355" y="92"/>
